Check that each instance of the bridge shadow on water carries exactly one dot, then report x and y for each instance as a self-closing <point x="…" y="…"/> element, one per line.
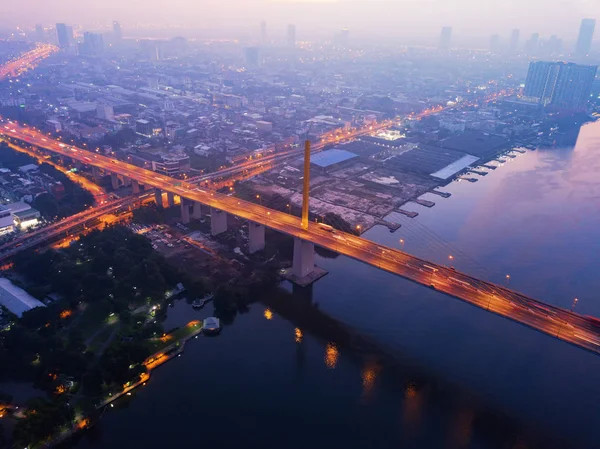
<point x="474" y="418"/>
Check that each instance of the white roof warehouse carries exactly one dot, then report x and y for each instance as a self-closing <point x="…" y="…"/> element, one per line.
<point x="17" y="300"/>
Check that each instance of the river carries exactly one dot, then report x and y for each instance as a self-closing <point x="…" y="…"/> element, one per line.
<point x="383" y="362"/>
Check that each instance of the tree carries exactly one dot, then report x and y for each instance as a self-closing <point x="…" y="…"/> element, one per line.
<point x="43" y="419"/>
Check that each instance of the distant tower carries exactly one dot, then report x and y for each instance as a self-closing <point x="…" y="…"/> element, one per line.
<point x="343" y="37"/>
<point x="495" y="43"/>
<point x="586" y="34"/>
<point x="40" y="36"/>
<point x="62" y="34"/>
<point x="445" y="38"/>
<point x="252" y="56"/>
<point x="513" y="46"/>
<point x="291" y="36"/>
<point x="532" y="45"/>
<point x="117" y="33"/>
<point x="263" y="33"/>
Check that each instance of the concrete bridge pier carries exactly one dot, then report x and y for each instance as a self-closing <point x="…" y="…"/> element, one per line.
<point x="197" y="210"/>
<point x="170" y="199"/>
<point x="158" y="197"/>
<point x="185" y="211"/>
<point x="218" y="221"/>
<point x="77" y="164"/>
<point x="256" y="237"/>
<point x="96" y="174"/>
<point x="135" y="187"/>
<point x="114" y="179"/>
<point x="304" y="258"/>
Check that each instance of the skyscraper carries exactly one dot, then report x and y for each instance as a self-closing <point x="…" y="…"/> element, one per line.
<point x="574" y="86"/>
<point x="445" y="38"/>
<point x="40" y="36"/>
<point x="532" y="45"/>
<point x="586" y="34"/>
<point x="559" y="85"/>
<point x="495" y="43"/>
<point x="513" y="46"/>
<point x="117" y="33"/>
<point x="263" y="33"/>
<point x="252" y="56"/>
<point x="93" y="44"/>
<point x="64" y="35"/>
<point x="291" y="35"/>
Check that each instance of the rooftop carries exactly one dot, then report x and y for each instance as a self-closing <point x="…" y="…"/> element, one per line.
<point x="331" y="157"/>
<point x="16" y="300"/>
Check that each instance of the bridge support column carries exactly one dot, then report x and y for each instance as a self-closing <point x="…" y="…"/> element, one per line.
<point x="218" y="221"/>
<point x="96" y="174"/>
<point x="126" y="181"/>
<point x="304" y="258"/>
<point x="158" y="197"/>
<point x="170" y="199"/>
<point x="135" y="187"/>
<point x="197" y="210"/>
<point x="256" y="237"/>
<point x="114" y="179"/>
<point x="77" y="164"/>
<point x="61" y="158"/>
<point x="185" y="211"/>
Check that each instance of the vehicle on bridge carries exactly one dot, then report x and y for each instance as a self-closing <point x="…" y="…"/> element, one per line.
<point x="326" y="227"/>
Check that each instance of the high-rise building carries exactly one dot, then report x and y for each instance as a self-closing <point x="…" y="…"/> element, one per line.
<point x="446" y="38"/>
<point x="574" y="86"/>
<point x="513" y="45"/>
<point x="343" y="37"/>
<point x="291" y="36"/>
<point x="559" y="85"/>
<point x="252" y="56"/>
<point x="64" y="35"/>
<point x="586" y="34"/>
<point x="92" y="45"/>
<point x="40" y="35"/>
<point x="263" y="33"/>
<point x="495" y="43"/>
<point x="117" y="32"/>
<point x="532" y="45"/>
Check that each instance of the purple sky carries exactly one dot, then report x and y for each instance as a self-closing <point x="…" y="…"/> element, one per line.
<point x="404" y="18"/>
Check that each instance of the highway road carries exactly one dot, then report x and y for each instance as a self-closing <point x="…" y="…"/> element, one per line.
<point x="576" y="329"/>
<point x="26" y="61"/>
<point x="43" y="235"/>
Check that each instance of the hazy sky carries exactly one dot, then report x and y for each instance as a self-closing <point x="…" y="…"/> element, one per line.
<point x="469" y="18"/>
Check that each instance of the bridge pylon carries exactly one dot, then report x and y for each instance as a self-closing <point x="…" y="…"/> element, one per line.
<point x="306" y="187"/>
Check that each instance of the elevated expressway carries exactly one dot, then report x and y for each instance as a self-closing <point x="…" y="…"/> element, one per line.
<point x="576" y="329"/>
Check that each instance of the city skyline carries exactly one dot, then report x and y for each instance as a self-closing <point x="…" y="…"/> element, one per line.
<point x="403" y="18"/>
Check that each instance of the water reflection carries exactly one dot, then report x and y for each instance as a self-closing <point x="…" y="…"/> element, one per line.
<point x="461" y="430"/>
<point x="268" y="314"/>
<point x="331" y="355"/>
<point x="298" y="335"/>
<point x="412" y="411"/>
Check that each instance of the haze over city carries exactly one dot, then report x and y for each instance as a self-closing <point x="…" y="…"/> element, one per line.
<point x="415" y="21"/>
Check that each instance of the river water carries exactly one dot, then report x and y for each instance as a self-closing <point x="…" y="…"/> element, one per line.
<point x="382" y="362"/>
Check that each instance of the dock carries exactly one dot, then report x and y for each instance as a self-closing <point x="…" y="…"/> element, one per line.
<point x="478" y="172"/>
<point x="464" y="178"/>
<point x="393" y="227"/>
<point x="489" y="167"/>
<point x="425" y="203"/>
<point x="518" y="150"/>
<point x="407" y="213"/>
<point x="440" y="193"/>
